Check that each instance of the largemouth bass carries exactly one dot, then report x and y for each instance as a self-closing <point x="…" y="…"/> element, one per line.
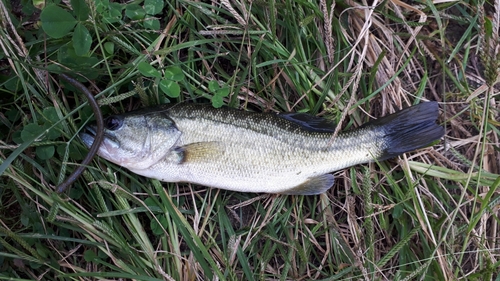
<point x="255" y="152"/>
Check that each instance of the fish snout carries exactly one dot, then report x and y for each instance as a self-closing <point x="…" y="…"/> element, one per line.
<point x="88" y="135"/>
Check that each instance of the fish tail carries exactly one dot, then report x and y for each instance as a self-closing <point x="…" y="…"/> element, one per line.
<point x="409" y="129"/>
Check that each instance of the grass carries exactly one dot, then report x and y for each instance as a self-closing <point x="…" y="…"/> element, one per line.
<point x="428" y="215"/>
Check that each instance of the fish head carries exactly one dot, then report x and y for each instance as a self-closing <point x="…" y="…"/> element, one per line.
<point x="135" y="141"/>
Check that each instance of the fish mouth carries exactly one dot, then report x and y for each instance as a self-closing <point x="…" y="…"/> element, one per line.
<point x="109" y="144"/>
<point x="88" y="135"/>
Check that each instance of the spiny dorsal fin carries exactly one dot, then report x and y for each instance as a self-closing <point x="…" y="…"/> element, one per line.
<point x="310" y="122"/>
<point x="312" y="186"/>
<point x="199" y="151"/>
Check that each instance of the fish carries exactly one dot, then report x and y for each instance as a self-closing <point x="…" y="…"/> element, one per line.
<point x="244" y="151"/>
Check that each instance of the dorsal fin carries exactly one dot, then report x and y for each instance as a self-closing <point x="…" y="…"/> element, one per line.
<point x="312" y="186"/>
<point x="309" y="122"/>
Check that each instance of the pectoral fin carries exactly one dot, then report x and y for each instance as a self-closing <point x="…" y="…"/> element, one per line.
<point x="199" y="151"/>
<point x="312" y="186"/>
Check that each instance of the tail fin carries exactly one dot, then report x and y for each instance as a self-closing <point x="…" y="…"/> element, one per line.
<point x="409" y="129"/>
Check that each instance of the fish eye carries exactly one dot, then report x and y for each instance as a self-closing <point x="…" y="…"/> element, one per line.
<point x="113" y="123"/>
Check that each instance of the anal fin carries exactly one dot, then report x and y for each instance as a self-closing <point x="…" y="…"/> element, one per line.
<point x="312" y="186"/>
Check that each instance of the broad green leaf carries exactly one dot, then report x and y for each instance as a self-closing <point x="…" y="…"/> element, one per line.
<point x="174" y="73"/>
<point x="31" y="131"/>
<point x="153" y="7"/>
<point x="25" y="220"/>
<point x="152" y="23"/>
<point x="51" y="118"/>
<point x="13" y="84"/>
<point x="101" y="6"/>
<point x="52" y="133"/>
<point x="45" y="152"/>
<point x="56" y="21"/>
<point x="16" y="137"/>
<point x="135" y="12"/>
<point x="156" y="227"/>
<point x="75" y="152"/>
<point x="150" y="202"/>
<point x="66" y="55"/>
<point x="89" y="256"/>
<point x="148" y="70"/>
<point x="217" y="101"/>
<point x="50" y="114"/>
<point x="114" y="13"/>
<point x="82" y="41"/>
<point x="171" y="88"/>
<point x="223" y="92"/>
<point x="13" y="115"/>
<point x="213" y="86"/>
<point x="398" y="211"/>
<point x="39" y="4"/>
<point x="109" y="47"/>
<point x="80" y="9"/>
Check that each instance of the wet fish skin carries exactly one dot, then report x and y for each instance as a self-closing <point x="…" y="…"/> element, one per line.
<point x="255" y="152"/>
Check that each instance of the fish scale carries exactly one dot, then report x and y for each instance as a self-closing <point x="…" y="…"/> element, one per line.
<point x="256" y="152"/>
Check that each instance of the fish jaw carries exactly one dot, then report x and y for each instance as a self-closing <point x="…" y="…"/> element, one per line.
<point x="108" y="149"/>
